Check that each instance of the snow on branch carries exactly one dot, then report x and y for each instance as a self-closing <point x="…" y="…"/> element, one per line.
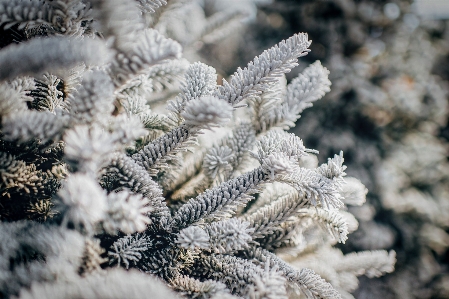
<point x="119" y="20"/>
<point x="199" y="80"/>
<point x="124" y="172"/>
<point x="203" y="113"/>
<point x="369" y="263"/>
<point x="312" y="285"/>
<point x="193" y="237"/>
<point x="29" y="125"/>
<point x="207" y="112"/>
<point x="318" y="189"/>
<point x="282" y="105"/>
<point x="202" y="289"/>
<point x="354" y="192"/>
<point x="332" y="221"/>
<point x="230" y="235"/>
<point x="50" y="54"/>
<point x="127" y="213"/>
<point x="220" y="201"/>
<point x="92" y="98"/>
<point x="269" y="218"/>
<point x="84" y="200"/>
<point x="263" y="71"/>
<point x="311" y="85"/>
<point x="242" y="276"/>
<point x="151" y="5"/>
<point x="129" y="250"/>
<point x="148" y="47"/>
<point x="63" y="16"/>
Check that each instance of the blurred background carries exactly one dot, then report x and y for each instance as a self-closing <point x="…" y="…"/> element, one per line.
<point x="388" y="111"/>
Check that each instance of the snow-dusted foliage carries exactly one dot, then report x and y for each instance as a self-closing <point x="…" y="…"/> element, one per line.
<point x="92" y="178"/>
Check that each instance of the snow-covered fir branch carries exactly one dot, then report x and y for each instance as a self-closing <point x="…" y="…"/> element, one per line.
<point x="95" y="175"/>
